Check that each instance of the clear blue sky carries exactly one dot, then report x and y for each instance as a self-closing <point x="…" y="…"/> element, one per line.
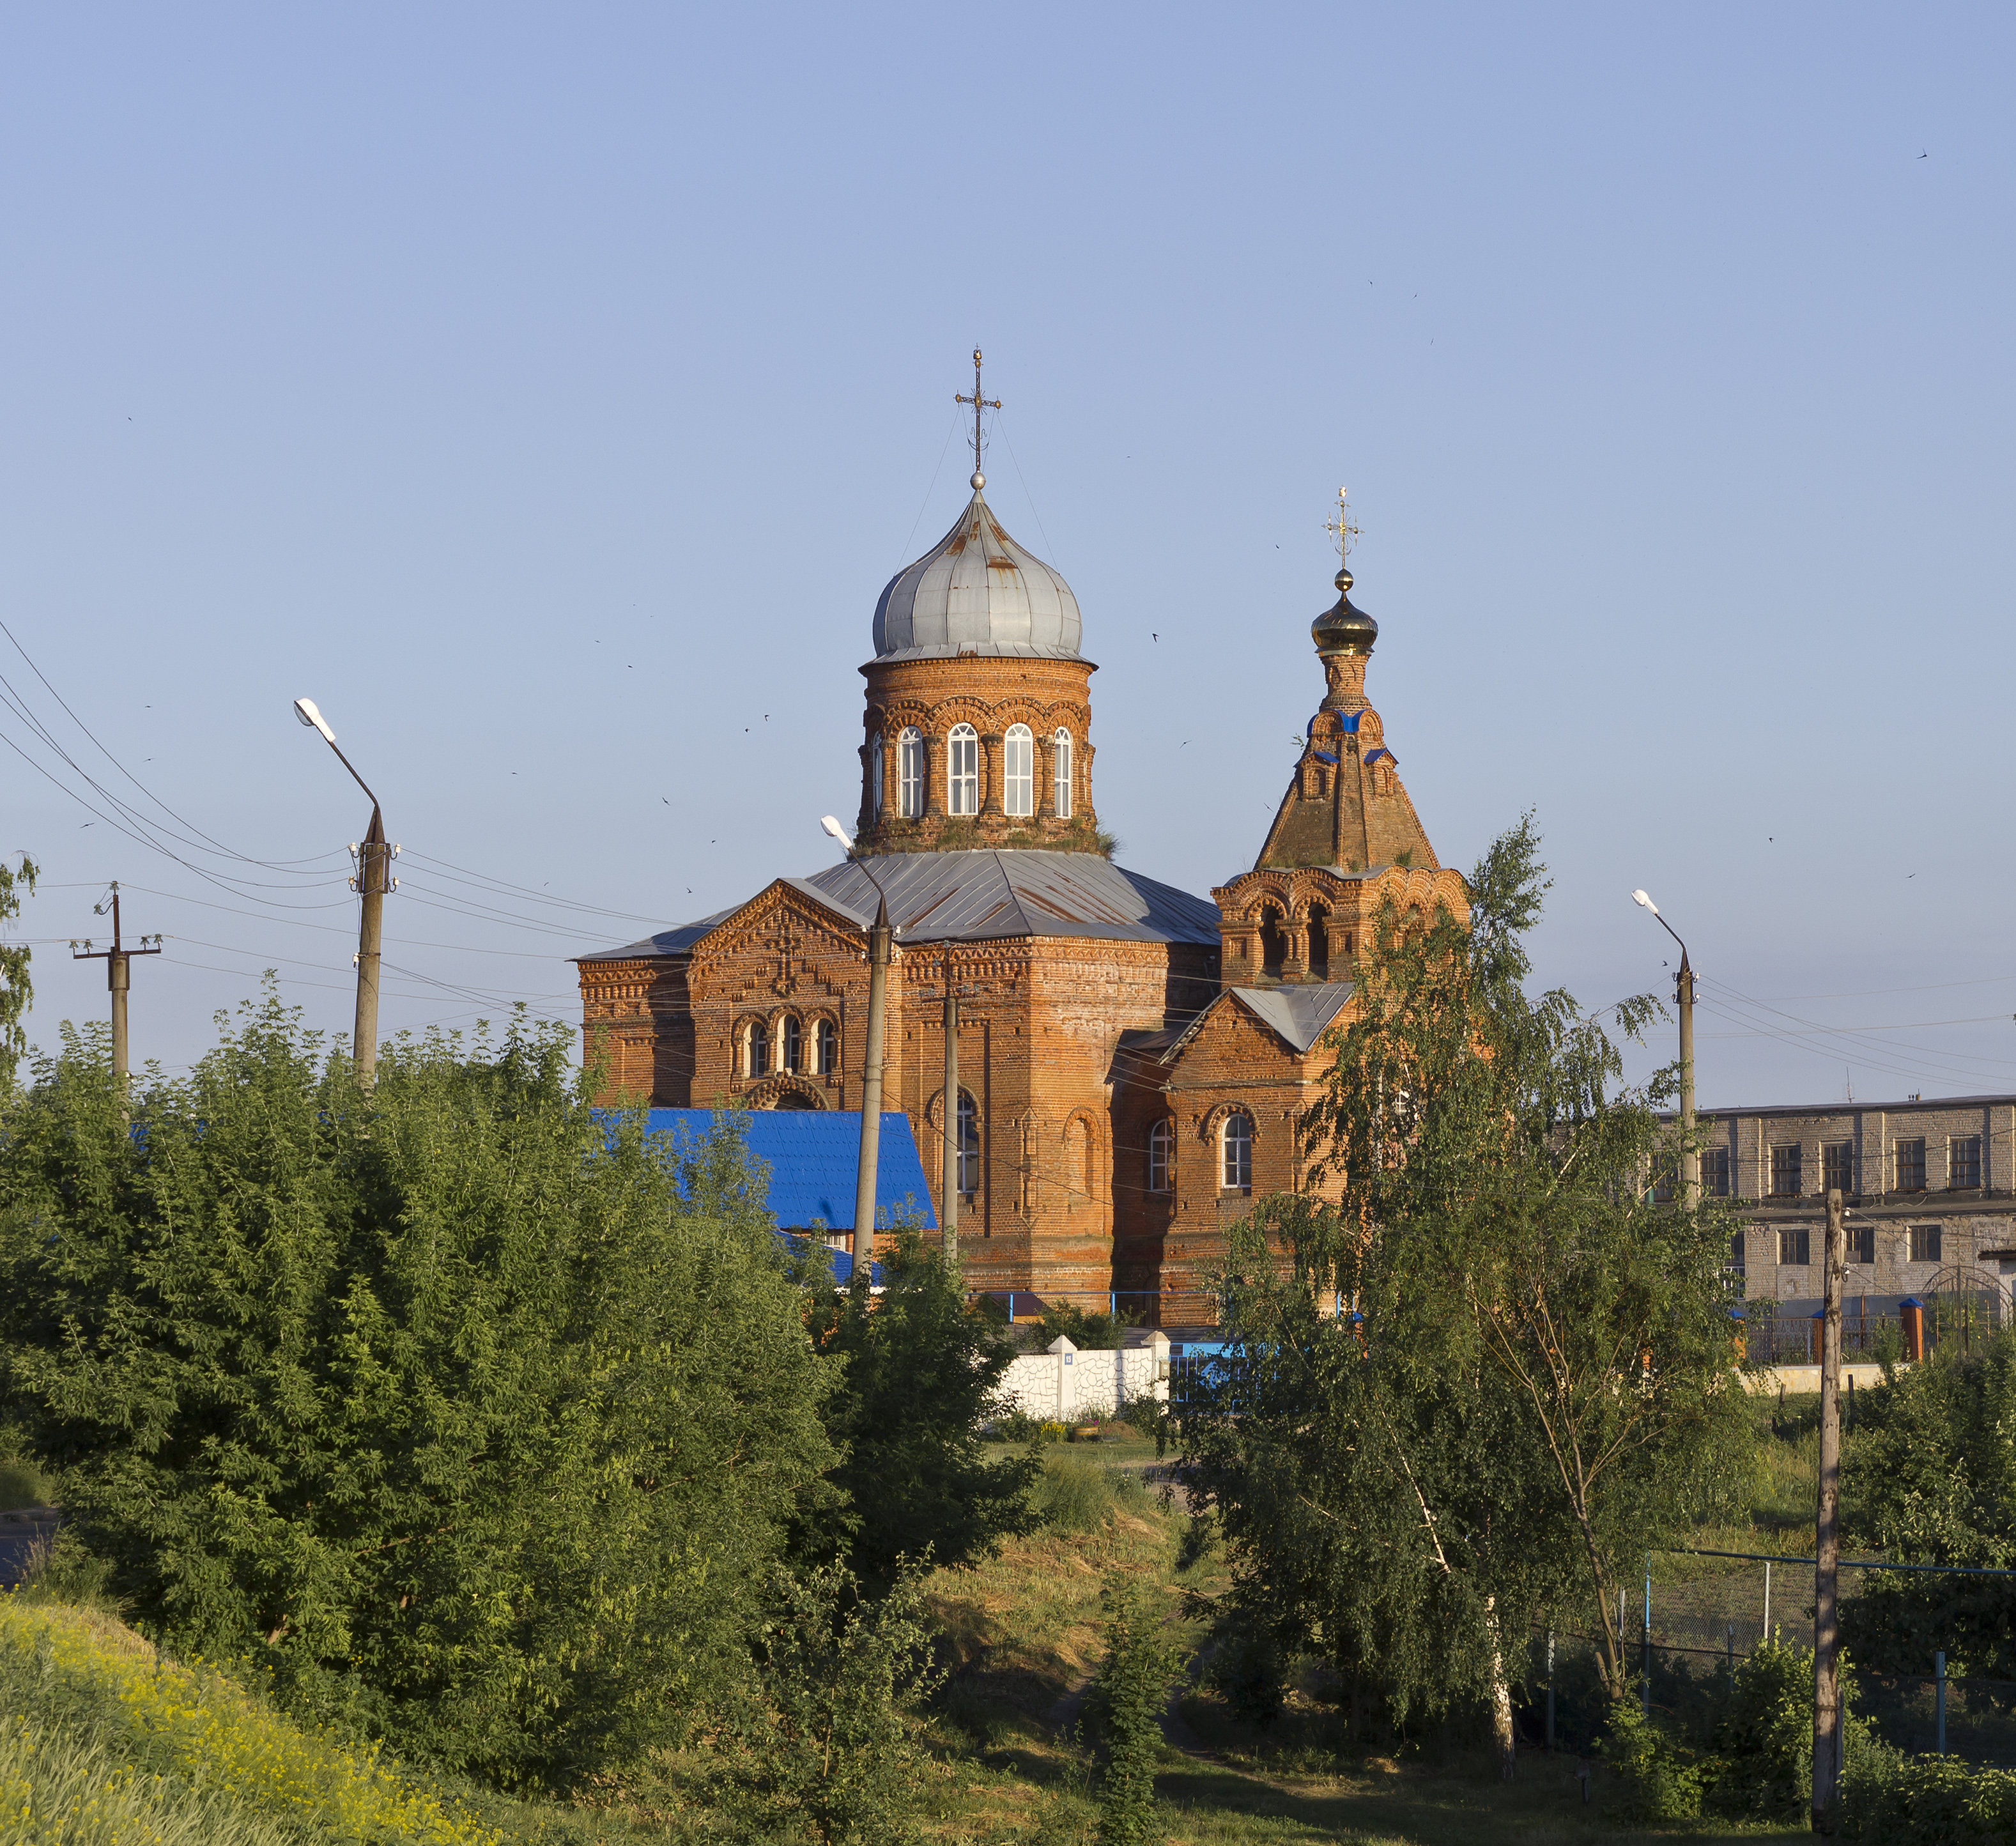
<point x="549" y="392"/>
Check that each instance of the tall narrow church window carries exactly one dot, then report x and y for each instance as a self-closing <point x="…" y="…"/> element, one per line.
<point x="968" y="1146"/>
<point x="910" y="774"/>
<point x="788" y="1044"/>
<point x="829" y="1048"/>
<point x="1161" y="1139"/>
<point x="1018" y="789"/>
<point x="1060" y="769"/>
<point x="1319" y="941"/>
<point x="875" y="775"/>
<point x="755" y="1049"/>
<point x="963" y="770"/>
<point x="1273" y="941"/>
<point x="1236" y="1139"/>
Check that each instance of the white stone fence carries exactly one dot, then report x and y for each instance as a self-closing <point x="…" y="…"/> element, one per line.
<point x="1065" y="1385"/>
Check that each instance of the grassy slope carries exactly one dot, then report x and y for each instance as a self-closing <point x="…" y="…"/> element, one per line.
<point x="1025" y="1629"/>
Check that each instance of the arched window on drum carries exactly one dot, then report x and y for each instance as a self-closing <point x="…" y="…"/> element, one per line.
<point x="1060" y="772"/>
<point x="875" y="775"/>
<point x="1018" y="757"/>
<point x="963" y="770"/>
<point x="910" y="774"/>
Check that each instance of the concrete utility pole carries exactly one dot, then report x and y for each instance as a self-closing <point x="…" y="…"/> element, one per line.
<point x="374" y="862"/>
<point x="871" y="1089"/>
<point x="954" y="1134"/>
<point x="1827" y="1540"/>
<point x="118" y="978"/>
<point x="1683" y="994"/>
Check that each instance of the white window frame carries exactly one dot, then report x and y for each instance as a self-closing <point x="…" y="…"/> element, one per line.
<point x="910" y="773"/>
<point x="969" y="1145"/>
<point x="1018" y="771"/>
<point x="755" y="1049"/>
<point x="1060" y="772"/>
<point x="961" y="770"/>
<point x="791" y="1044"/>
<point x="1235" y="1151"/>
<point x="1161" y="1144"/>
<point x="875" y="775"/>
<point x="827" y="1041"/>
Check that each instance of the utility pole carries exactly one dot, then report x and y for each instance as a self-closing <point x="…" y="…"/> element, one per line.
<point x="1689" y="1154"/>
<point x="871" y="1090"/>
<point x="372" y="882"/>
<point x="373" y="862"/>
<point x="118" y="978"/>
<point x="1827" y="1541"/>
<point x="1683" y="993"/>
<point x="955" y="1127"/>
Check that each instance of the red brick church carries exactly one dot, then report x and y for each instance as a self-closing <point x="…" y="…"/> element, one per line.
<point x="1132" y="1059"/>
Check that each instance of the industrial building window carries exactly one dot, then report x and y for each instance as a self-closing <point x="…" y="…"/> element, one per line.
<point x="1736" y="1251"/>
<point x="1715" y="1172"/>
<point x="1911" y="1167"/>
<point x="963" y="770"/>
<point x="1785" y="1174"/>
<point x="829" y="1048"/>
<point x="1861" y="1244"/>
<point x="1161" y="1139"/>
<point x="1795" y="1245"/>
<point x="1925" y="1244"/>
<point x="1963" y="1161"/>
<point x="875" y="775"/>
<point x="1236" y="1139"/>
<point x="789" y="1044"/>
<point x="755" y="1049"/>
<point x="1665" y="1179"/>
<point x="1061" y="770"/>
<point x="910" y="774"/>
<point x="968" y="1146"/>
<point x="1018" y="771"/>
<point x="1837" y="1167"/>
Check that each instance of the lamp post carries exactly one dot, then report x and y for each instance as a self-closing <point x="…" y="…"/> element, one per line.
<point x="1683" y="988"/>
<point x="371" y="883"/>
<point x="871" y="1075"/>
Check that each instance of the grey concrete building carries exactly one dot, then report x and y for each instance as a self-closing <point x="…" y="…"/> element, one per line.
<point x="1931" y="1186"/>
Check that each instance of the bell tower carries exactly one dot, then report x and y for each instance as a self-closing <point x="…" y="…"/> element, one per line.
<point x="1345" y="838"/>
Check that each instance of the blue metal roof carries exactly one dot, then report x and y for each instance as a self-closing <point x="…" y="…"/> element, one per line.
<point x="810" y="1158"/>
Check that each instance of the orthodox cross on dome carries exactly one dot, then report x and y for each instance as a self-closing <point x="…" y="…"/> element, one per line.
<point x="979" y="404"/>
<point x="1342" y="530"/>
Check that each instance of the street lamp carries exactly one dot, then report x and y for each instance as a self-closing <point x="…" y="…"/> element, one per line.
<point x="1683" y="991"/>
<point x="871" y="1084"/>
<point x="371" y="884"/>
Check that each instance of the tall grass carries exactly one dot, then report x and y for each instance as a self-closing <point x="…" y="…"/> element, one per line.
<point x="1075" y="1494"/>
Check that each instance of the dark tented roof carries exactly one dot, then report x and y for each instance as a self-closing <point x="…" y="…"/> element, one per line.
<point x="812" y="1157"/>
<point x="980" y="897"/>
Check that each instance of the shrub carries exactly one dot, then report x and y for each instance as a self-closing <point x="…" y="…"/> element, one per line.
<point x="1128" y="1696"/>
<point x="1073" y="1494"/>
<point x="22" y="1484"/>
<point x="829" y="1747"/>
<point x="1928" y="1801"/>
<point x="1089" y="1333"/>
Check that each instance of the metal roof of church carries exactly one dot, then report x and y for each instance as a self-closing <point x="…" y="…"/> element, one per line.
<point x="982" y="896"/>
<point x="976" y="591"/>
<point x="978" y="896"/>
<point x="810" y="1159"/>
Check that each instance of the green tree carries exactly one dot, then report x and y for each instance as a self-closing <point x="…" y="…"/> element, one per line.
<point x="457" y="1404"/>
<point x="17" y="991"/>
<point x="1930" y="1478"/>
<point x="920" y="1373"/>
<point x="1538" y="1377"/>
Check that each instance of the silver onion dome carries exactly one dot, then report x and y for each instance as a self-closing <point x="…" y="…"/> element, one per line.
<point x="976" y="591"/>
